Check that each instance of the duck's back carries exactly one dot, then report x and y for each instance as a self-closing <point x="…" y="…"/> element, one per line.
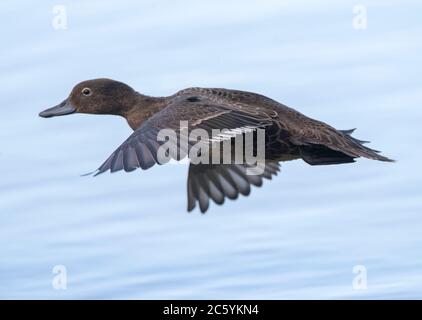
<point x="292" y="134"/>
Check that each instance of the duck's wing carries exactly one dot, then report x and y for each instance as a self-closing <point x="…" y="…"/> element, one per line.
<point x="217" y="182"/>
<point x="196" y="109"/>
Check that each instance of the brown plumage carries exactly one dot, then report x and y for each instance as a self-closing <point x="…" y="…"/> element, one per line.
<point x="289" y="134"/>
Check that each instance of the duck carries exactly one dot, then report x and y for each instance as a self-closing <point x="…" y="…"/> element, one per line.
<point x="289" y="134"/>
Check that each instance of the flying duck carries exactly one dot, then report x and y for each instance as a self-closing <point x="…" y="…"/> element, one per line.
<point x="289" y="134"/>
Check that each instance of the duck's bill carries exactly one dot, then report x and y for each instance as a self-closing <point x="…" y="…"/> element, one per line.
<point x="60" y="110"/>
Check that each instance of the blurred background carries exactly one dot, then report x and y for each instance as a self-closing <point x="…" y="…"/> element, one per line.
<point x="346" y="231"/>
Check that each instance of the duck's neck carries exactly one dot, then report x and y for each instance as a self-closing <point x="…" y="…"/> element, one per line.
<point x="144" y="108"/>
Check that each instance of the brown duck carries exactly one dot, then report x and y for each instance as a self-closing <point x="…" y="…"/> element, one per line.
<point x="289" y="134"/>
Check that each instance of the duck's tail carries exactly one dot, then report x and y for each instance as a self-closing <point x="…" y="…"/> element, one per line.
<point x="346" y="152"/>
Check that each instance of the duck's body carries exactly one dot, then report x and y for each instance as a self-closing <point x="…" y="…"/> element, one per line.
<point x="289" y="134"/>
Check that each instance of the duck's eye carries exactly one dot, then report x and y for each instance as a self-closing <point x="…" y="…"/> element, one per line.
<point x="86" y="91"/>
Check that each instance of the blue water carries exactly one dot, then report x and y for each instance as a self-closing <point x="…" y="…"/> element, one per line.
<point x="129" y="235"/>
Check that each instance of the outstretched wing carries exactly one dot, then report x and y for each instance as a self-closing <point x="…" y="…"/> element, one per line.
<point x="140" y="150"/>
<point x="216" y="182"/>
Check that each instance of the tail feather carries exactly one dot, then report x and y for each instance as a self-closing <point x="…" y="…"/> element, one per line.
<point x="343" y="149"/>
<point x="363" y="151"/>
<point x="348" y="132"/>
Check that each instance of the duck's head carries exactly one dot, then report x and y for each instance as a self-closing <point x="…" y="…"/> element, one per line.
<point x="97" y="96"/>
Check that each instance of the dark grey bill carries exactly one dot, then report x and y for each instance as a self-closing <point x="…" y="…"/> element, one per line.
<point x="60" y="110"/>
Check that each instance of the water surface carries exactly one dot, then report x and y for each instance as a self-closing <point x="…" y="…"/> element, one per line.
<point x="128" y="235"/>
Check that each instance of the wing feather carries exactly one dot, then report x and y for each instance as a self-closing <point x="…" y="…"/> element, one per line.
<point x="141" y="148"/>
<point x="217" y="182"/>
